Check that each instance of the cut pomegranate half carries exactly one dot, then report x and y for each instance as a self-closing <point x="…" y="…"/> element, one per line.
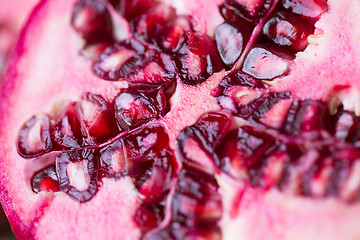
<point x="180" y="119"/>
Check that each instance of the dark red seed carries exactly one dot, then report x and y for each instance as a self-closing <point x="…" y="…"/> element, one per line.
<point x="199" y="44"/>
<point x="98" y="117"/>
<point x="113" y="160"/>
<point x="314" y="181"/>
<point x="129" y="60"/>
<point x="257" y="108"/>
<point x="78" y="173"/>
<point x="174" y="36"/>
<point x="132" y="9"/>
<point x="236" y="82"/>
<point x="118" y="60"/>
<point x="196" y="208"/>
<point x="197" y="185"/>
<point x="233" y="10"/>
<point x="34" y="137"/>
<point x="246" y="97"/>
<point x="92" y="20"/>
<point x="307" y="8"/>
<point x="230" y="41"/>
<point x="143" y="143"/>
<point x="211" y="127"/>
<point x="159" y="182"/>
<point x="134" y="154"/>
<point x="272" y="168"/>
<point x="148" y="217"/>
<point x="196" y="143"/>
<point x="266" y="63"/>
<point x="134" y="108"/>
<point x="306" y="116"/>
<point x="153" y="23"/>
<point x="238" y="78"/>
<point x="155" y="68"/>
<point x="346" y="126"/>
<point x="242" y="149"/>
<point x="116" y="164"/>
<point x="68" y="130"/>
<point x="288" y="30"/>
<point x="45" y="180"/>
<point x="196" y="64"/>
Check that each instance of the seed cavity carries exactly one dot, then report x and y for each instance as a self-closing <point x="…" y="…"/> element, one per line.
<point x="34" y="136"/>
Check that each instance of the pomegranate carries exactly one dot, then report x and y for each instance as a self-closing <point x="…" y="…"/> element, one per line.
<point x="221" y="119"/>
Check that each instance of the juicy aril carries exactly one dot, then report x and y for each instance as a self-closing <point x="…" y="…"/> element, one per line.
<point x="183" y="120"/>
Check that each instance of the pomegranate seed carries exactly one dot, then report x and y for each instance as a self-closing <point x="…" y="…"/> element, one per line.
<point x="156" y="68"/>
<point x="129" y="60"/>
<point x="34" y="137"/>
<point x="159" y="182"/>
<point x="148" y="217"/>
<point x="113" y="160"/>
<point x="196" y="142"/>
<point x="199" y="44"/>
<point x="230" y="42"/>
<point x="153" y="23"/>
<point x="134" y="108"/>
<point x="45" y="180"/>
<point x="230" y="92"/>
<point x="233" y="10"/>
<point x="306" y="116"/>
<point x="195" y="192"/>
<point x="273" y="168"/>
<point x="98" y="117"/>
<point x="78" y="173"/>
<point x="116" y="164"/>
<point x="68" y="131"/>
<point x="238" y="78"/>
<point x="288" y="30"/>
<point x="137" y="154"/>
<point x="257" y="108"/>
<point x="174" y="36"/>
<point x="308" y="8"/>
<point x="196" y="64"/>
<point x="263" y="63"/>
<point x="118" y="60"/>
<point x="319" y="183"/>
<point x="92" y="20"/>
<point x="244" y="148"/>
<point x="132" y="9"/>
<point x="347" y="126"/>
<point x="141" y="144"/>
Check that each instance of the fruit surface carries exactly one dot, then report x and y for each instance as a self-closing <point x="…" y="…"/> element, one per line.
<point x="183" y="120"/>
